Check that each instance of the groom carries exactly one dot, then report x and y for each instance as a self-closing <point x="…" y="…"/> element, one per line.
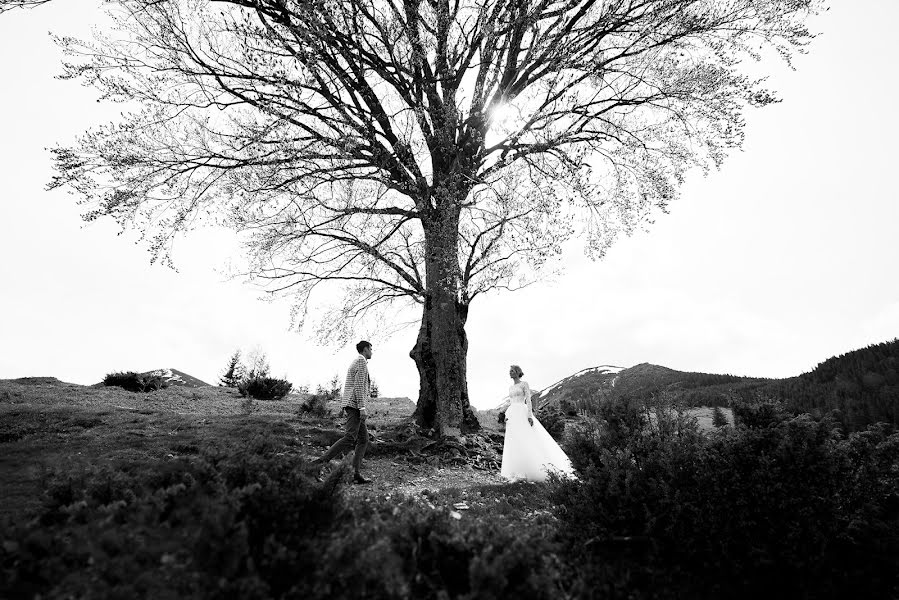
<point x="356" y="390"/>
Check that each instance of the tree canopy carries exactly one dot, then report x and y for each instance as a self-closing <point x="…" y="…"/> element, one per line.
<point x="329" y="129"/>
<point x="422" y="151"/>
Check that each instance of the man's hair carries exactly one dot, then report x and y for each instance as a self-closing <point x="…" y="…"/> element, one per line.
<point x="362" y="346"/>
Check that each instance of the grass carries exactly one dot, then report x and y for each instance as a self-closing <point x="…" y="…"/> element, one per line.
<point x="45" y="423"/>
<point x="51" y="426"/>
<point x="199" y="494"/>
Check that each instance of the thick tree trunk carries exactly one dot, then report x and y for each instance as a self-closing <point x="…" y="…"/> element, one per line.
<point x="442" y="345"/>
<point x="426" y="408"/>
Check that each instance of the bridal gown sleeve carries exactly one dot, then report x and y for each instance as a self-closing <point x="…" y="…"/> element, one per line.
<point x="527" y="398"/>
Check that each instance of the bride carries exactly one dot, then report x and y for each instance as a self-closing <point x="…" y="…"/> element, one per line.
<point x="529" y="452"/>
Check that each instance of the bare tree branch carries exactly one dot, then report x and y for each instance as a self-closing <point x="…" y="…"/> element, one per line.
<point x="7" y="5"/>
<point x="392" y="147"/>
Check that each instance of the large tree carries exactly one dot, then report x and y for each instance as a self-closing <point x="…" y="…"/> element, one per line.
<point x="415" y="150"/>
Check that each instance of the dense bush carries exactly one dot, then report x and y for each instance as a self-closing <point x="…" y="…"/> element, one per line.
<point x="758" y="415"/>
<point x="408" y="550"/>
<point x="779" y="505"/>
<point x="315" y="405"/>
<point x="135" y="382"/>
<point x="237" y="523"/>
<point x="553" y="421"/>
<point x="264" y="388"/>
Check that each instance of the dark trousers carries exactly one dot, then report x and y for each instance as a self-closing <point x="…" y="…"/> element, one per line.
<point x="356" y="435"/>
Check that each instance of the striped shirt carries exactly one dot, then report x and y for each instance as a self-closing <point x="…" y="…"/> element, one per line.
<point x="357" y="387"/>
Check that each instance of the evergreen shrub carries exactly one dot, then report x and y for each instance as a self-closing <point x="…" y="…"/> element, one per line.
<point x="315" y="405"/>
<point x="264" y="388"/>
<point x="135" y="382"/>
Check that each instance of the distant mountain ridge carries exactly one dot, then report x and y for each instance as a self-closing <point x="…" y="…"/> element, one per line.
<point x="600" y="371"/>
<point x="640" y="381"/>
<point x="580" y="385"/>
<point x="862" y="385"/>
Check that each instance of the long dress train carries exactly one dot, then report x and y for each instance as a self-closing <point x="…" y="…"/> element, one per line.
<point x="529" y="453"/>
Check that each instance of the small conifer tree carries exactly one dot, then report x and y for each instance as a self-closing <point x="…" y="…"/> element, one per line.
<point x="234" y="373"/>
<point x="719" y="419"/>
<point x="334" y="388"/>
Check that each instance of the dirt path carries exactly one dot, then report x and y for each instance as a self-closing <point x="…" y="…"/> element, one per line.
<point x="410" y="473"/>
<point x="395" y="476"/>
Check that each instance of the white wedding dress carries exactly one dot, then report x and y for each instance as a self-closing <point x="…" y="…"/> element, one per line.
<point x="529" y="453"/>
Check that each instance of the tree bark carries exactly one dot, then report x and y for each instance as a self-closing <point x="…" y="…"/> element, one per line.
<point x="426" y="407"/>
<point x="442" y="345"/>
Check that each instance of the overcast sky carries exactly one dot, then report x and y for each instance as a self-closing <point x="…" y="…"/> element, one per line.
<point x="783" y="258"/>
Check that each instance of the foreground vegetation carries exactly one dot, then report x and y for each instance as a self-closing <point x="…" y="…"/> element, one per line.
<point x="135" y="505"/>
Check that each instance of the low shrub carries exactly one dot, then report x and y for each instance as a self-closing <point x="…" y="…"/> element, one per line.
<point x="135" y="382"/>
<point x="332" y="391"/>
<point x="248" y="406"/>
<point x="316" y="405"/>
<point x="264" y="388"/>
<point x="780" y="505"/>
<point x="232" y="522"/>
<point x="406" y="549"/>
<point x="247" y="521"/>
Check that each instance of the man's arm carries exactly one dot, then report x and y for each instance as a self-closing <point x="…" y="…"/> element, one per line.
<point x="360" y="376"/>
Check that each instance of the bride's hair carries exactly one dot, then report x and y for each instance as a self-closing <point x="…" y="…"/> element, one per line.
<point x="518" y="370"/>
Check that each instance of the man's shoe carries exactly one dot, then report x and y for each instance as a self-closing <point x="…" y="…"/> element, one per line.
<point x="358" y="478"/>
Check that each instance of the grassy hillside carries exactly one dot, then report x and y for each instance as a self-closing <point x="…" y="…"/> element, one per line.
<point x="198" y="493"/>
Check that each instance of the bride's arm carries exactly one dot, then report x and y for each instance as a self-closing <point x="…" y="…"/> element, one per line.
<point x="527" y="398"/>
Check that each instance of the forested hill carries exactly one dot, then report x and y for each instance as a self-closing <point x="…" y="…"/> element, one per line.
<point x="643" y="382"/>
<point x="862" y="385"/>
<point x="872" y="367"/>
<point x="646" y="381"/>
